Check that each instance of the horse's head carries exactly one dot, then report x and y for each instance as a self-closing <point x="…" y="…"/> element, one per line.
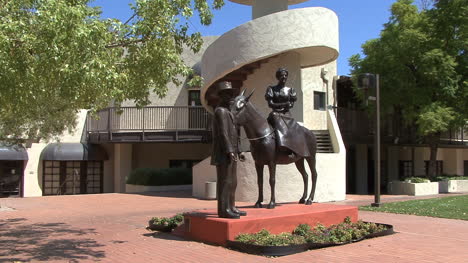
<point x="240" y="105"/>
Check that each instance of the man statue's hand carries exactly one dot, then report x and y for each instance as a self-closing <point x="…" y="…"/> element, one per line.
<point x="241" y="157"/>
<point x="233" y="157"/>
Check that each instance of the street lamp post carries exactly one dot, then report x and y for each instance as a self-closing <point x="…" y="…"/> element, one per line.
<point x="366" y="81"/>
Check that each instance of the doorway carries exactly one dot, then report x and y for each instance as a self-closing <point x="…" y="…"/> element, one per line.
<point x="11" y="178"/>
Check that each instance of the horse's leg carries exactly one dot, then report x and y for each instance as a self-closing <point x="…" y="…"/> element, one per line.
<point x="259" y="168"/>
<point x="305" y="178"/>
<point x="311" y="161"/>
<point x="272" y="169"/>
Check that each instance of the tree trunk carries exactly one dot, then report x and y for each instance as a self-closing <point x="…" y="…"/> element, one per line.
<point x="433" y="146"/>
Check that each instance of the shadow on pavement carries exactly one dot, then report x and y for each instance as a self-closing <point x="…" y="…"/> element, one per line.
<point x="24" y="241"/>
<point x="172" y="194"/>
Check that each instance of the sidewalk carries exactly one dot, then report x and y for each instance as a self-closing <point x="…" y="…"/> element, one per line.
<point x="111" y="228"/>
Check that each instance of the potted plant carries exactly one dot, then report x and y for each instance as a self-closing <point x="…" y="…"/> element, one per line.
<point x="414" y="186"/>
<point x="165" y="224"/>
<point x="452" y="183"/>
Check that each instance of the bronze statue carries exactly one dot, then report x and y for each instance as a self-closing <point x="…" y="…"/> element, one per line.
<point x="281" y="99"/>
<point x="226" y="152"/>
<point x="264" y="146"/>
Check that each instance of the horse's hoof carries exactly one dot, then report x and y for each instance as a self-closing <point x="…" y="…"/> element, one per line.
<point x="309" y="202"/>
<point x="271" y="205"/>
<point x="258" y="205"/>
<point x="302" y="201"/>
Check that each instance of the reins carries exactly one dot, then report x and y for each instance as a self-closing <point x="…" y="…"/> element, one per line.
<point x="258" y="138"/>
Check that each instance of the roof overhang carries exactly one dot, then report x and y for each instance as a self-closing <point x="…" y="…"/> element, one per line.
<point x="13" y="153"/>
<point x="73" y="152"/>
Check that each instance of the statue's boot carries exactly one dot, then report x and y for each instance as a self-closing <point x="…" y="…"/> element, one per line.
<point x="239" y="212"/>
<point x="228" y="214"/>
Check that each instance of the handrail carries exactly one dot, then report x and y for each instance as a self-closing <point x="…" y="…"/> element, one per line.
<point x="148" y="119"/>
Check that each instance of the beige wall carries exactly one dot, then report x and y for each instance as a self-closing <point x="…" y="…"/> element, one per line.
<point x="157" y="155"/>
<point x="452" y="158"/>
<point x="122" y="165"/>
<point x="312" y="81"/>
<point x="32" y="182"/>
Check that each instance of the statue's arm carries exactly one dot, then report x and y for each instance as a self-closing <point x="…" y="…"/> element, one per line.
<point x="223" y="118"/>
<point x="269" y="98"/>
<point x="292" y="97"/>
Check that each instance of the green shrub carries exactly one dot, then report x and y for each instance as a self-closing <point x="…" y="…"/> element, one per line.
<point x="417" y="180"/>
<point x="160" y="176"/>
<point x="265" y="238"/>
<point x="340" y="233"/>
<point x="171" y="222"/>
<point x="446" y="177"/>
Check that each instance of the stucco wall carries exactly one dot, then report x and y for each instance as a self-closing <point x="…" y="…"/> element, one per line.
<point x="158" y="155"/>
<point x="312" y="81"/>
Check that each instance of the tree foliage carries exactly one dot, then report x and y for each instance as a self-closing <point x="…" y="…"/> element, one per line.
<point x="59" y="56"/>
<point x="422" y="61"/>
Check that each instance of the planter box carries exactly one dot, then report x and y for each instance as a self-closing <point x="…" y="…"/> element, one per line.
<point x="453" y="186"/>
<point x="277" y="251"/>
<point x="404" y="188"/>
<point x="133" y="188"/>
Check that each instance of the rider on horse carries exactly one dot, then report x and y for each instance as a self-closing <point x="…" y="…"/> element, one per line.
<point x="281" y="99"/>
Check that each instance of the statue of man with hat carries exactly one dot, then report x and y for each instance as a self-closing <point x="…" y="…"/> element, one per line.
<point x="226" y="154"/>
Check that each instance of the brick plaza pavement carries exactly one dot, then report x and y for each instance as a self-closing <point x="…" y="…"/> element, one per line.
<point x="111" y="228"/>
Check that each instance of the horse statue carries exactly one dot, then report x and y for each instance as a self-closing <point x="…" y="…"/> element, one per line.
<point x="265" y="152"/>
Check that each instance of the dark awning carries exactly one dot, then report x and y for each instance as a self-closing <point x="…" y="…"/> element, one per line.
<point x="14" y="152"/>
<point x="73" y="152"/>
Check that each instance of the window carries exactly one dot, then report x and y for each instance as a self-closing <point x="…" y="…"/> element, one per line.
<point x="72" y="177"/>
<point x="11" y="173"/>
<point x="439" y="167"/>
<point x="405" y="169"/>
<point x="194" y="98"/>
<point x="319" y="100"/>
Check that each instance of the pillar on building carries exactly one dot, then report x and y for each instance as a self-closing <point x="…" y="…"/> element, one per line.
<point x="122" y="165"/>
<point x="361" y="168"/>
<point x="265" y="7"/>
<point x="453" y="161"/>
<point x="392" y="163"/>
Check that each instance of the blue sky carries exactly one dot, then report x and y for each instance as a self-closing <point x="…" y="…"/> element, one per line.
<point x="360" y="20"/>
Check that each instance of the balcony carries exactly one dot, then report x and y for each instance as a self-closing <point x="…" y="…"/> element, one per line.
<point x="181" y="124"/>
<point x="357" y="126"/>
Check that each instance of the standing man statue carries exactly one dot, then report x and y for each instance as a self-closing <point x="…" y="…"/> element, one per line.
<point x="226" y="152"/>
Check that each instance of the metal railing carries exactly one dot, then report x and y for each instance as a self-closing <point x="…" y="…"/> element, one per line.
<point x="357" y="126"/>
<point x="152" y="123"/>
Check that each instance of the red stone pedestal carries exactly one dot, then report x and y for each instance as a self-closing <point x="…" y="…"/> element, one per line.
<point x="205" y="226"/>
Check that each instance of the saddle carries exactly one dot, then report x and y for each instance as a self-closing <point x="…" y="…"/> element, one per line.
<point x="291" y="136"/>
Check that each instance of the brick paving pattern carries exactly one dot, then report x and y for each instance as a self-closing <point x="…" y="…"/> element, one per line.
<point x="111" y="228"/>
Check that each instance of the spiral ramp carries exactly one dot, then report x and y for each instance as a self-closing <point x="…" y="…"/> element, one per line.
<point x="248" y="56"/>
<point x="310" y="33"/>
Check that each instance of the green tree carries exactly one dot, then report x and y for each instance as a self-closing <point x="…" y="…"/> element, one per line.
<point x="421" y="58"/>
<point x="59" y="56"/>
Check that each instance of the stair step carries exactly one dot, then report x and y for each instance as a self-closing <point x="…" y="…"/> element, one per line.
<point x="324" y="144"/>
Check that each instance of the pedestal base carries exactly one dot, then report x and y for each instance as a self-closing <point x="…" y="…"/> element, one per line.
<point x="206" y="226"/>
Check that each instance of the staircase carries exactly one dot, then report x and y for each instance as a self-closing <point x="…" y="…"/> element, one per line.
<point x="324" y="144"/>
